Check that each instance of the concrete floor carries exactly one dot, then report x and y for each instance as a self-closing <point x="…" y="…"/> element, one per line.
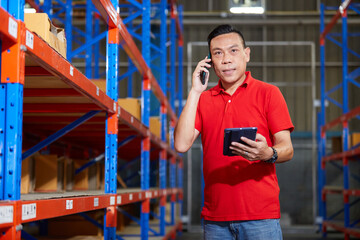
<point x="289" y="233"/>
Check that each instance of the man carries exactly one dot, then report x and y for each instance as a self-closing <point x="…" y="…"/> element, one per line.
<point x="241" y="192"/>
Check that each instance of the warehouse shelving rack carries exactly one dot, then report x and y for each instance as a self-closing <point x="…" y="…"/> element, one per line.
<point x="82" y="103"/>
<point x="348" y="154"/>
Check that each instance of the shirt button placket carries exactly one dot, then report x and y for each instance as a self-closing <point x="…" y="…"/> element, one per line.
<point x="227" y="105"/>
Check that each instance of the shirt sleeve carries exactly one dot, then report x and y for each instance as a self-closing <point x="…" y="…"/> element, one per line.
<point x="278" y="113"/>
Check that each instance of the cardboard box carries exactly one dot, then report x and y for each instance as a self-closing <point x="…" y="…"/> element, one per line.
<point x="337" y="144"/>
<point x="81" y="180"/>
<point x="74" y="225"/>
<point x="155" y="125"/>
<point x="131" y="105"/>
<point x="40" y="24"/>
<point x="101" y="176"/>
<point x="101" y="83"/>
<point x="355" y="139"/>
<point x="46" y="170"/>
<point x="25" y="175"/>
<point x="68" y="174"/>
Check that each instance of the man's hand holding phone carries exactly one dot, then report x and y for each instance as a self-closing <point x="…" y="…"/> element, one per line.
<point x="201" y="75"/>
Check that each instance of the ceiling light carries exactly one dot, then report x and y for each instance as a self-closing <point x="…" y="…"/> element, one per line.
<point x="247" y="6"/>
<point x="248" y="10"/>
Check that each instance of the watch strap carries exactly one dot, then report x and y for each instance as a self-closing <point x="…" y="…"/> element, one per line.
<point x="274" y="156"/>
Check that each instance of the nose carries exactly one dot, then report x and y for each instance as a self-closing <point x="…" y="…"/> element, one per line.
<point x="226" y="58"/>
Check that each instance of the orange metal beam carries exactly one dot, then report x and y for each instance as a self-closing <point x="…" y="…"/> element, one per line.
<point x="51" y="208"/>
<point x="54" y="63"/>
<point x="107" y="11"/>
<point x="8" y="32"/>
<point x="343" y="7"/>
<point x="113" y="19"/>
<point x="353" y="113"/>
<point x="341" y="228"/>
<point x="174" y="14"/>
<point x="340" y="156"/>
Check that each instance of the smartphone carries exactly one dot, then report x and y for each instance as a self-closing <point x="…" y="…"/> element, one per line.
<point x="234" y="135"/>
<point x="203" y="74"/>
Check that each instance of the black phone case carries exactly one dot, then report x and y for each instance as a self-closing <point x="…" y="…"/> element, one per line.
<point x="234" y="135"/>
<point x="203" y="73"/>
<point x="203" y="77"/>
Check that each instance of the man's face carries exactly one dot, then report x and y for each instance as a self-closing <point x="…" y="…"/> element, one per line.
<point x="229" y="57"/>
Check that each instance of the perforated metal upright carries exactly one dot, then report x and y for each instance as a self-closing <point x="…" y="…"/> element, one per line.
<point x="163" y="112"/>
<point x="112" y="52"/>
<point x="145" y="116"/>
<point x="11" y="109"/>
<point x="347" y="78"/>
<point x="53" y="64"/>
<point x="180" y="61"/>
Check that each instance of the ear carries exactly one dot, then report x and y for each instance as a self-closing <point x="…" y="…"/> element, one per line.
<point x="247" y="54"/>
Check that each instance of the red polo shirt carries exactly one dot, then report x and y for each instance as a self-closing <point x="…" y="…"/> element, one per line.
<point x="235" y="188"/>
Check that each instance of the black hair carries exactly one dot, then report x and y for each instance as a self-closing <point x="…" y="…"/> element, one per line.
<point x="224" y="29"/>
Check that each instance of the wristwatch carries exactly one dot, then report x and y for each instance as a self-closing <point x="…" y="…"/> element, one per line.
<point x="274" y="156"/>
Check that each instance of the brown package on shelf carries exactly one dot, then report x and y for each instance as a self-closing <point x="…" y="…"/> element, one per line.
<point x="42" y="26"/>
<point x="46" y="173"/>
<point x="100" y="173"/>
<point x="355" y="139"/>
<point x="155" y="126"/>
<point x="74" y="225"/>
<point x="25" y="175"/>
<point x="131" y="105"/>
<point x="81" y="180"/>
<point x="101" y="83"/>
<point x="337" y="144"/>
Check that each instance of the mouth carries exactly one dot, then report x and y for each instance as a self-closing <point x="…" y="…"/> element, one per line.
<point x="228" y="71"/>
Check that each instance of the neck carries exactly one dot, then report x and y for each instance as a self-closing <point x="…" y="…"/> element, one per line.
<point x="230" y="88"/>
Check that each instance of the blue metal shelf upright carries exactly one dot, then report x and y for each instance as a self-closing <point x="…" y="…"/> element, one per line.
<point x="86" y="119"/>
<point x="348" y="153"/>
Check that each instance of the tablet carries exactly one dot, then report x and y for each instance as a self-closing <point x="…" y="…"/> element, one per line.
<point x="234" y="135"/>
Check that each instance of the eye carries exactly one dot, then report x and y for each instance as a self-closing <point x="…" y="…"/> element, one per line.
<point x="234" y="50"/>
<point x="217" y="53"/>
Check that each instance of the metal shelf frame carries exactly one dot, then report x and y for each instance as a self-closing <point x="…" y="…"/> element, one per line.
<point x="348" y="154"/>
<point x="16" y="41"/>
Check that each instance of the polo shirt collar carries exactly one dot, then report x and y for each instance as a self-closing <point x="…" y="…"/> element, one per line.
<point x="219" y="89"/>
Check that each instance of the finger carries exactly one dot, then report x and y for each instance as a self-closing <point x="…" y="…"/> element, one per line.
<point x="205" y="63"/>
<point x="204" y="69"/>
<point x="239" y="146"/>
<point x="248" y="141"/>
<point x="244" y="152"/>
<point x="260" y="137"/>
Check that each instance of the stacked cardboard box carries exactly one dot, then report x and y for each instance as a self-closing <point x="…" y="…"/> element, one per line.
<point x="355" y="139"/>
<point x="46" y="173"/>
<point x="131" y="105"/>
<point x="40" y="24"/>
<point x="155" y="126"/>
